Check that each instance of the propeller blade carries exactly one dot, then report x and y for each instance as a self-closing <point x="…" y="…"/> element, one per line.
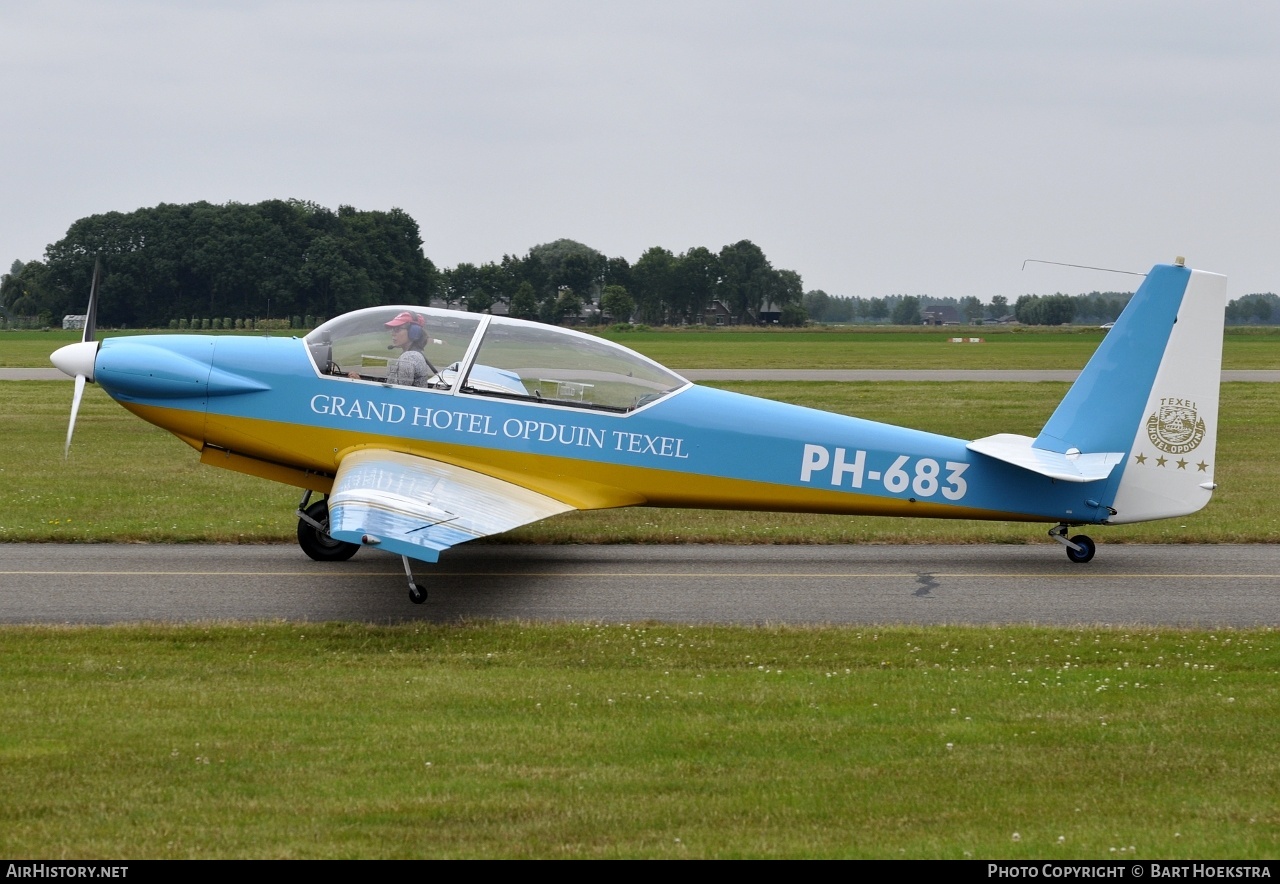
<point x="77" y="359"/>
<point x="75" y="407"/>
<point x="91" y="314"/>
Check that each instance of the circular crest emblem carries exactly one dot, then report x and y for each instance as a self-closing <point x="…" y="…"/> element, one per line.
<point x="1175" y="429"/>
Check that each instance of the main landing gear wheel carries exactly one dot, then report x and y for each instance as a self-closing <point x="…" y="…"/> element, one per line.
<point x="316" y="542"/>
<point x="1085" y="551"/>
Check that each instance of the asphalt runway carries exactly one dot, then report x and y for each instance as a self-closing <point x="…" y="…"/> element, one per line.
<point x="1125" y="585"/>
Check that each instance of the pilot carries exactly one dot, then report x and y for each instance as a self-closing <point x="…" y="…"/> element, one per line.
<point x="409" y="335"/>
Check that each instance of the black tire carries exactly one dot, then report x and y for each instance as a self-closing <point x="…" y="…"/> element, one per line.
<point x="417" y="595"/>
<point x="1087" y="549"/>
<point x="319" y="545"/>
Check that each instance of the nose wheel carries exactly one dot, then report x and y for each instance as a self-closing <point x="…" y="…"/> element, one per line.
<point x="417" y="594"/>
<point x="1080" y="548"/>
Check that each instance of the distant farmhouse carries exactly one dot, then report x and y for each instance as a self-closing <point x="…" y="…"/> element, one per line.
<point x="75" y="321"/>
<point x="941" y="314"/>
<point x="718" y="313"/>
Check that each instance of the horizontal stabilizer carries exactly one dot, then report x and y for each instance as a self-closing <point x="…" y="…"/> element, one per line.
<point x="418" y="507"/>
<point x="1072" y="466"/>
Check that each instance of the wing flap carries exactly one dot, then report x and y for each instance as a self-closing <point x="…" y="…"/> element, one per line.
<point x="1070" y="467"/>
<point x="418" y="507"/>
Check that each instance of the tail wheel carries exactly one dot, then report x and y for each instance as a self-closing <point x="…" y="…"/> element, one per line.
<point x="1085" y="551"/>
<point x="318" y="544"/>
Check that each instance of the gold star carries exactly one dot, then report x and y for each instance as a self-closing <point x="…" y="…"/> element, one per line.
<point x="1202" y="466"/>
<point x="1182" y="464"/>
<point x="1161" y="461"/>
<point x="1140" y="458"/>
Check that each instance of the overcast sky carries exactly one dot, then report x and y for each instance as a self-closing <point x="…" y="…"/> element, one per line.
<point x="874" y="148"/>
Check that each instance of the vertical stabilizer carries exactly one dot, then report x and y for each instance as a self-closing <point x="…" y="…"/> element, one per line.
<point x="1151" y="392"/>
<point x="1170" y="468"/>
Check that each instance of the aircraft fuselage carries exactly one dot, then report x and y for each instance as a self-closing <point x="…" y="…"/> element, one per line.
<point x="260" y="405"/>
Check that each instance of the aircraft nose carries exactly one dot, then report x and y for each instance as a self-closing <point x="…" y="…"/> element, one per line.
<point x="167" y="367"/>
<point x="76" y="359"/>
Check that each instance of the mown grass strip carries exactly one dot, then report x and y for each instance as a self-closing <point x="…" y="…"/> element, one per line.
<point x="898" y="347"/>
<point x="853" y="347"/>
<point x="590" y="740"/>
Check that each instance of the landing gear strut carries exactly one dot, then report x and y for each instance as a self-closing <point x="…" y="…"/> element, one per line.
<point x="313" y="533"/>
<point x="1080" y="548"/>
<point x="313" y="537"/>
<point x="417" y="595"/>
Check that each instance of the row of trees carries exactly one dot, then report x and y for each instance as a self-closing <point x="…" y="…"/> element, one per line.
<point x="273" y="258"/>
<point x="1095" y="307"/>
<point x="563" y="279"/>
<point x="895" y="309"/>
<point x="289" y="257"/>
<point x="1047" y="310"/>
<point x="1260" y="308"/>
<point x="1100" y="307"/>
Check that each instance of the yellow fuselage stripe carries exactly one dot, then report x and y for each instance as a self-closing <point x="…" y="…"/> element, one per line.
<point x="304" y="451"/>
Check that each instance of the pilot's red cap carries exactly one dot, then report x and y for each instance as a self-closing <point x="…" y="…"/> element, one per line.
<point x="404" y="318"/>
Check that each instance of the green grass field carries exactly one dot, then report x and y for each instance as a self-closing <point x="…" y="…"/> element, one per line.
<point x="634" y="740"/>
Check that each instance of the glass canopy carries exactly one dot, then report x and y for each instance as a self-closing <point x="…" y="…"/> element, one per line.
<point x="513" y="359"/>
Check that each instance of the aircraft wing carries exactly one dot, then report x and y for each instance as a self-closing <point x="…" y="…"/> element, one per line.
<point x="418" y="507"/>
<point x="1021" y="452"/>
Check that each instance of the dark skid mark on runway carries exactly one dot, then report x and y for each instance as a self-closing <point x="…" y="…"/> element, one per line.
<point x="927" y="584"/>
